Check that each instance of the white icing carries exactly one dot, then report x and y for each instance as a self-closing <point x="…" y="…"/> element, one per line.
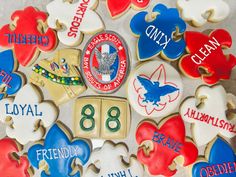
<point x="168" y="103"/>
<point x="26" y="110"/>
<point x="108" y="160"/>
<point x="215" y="106"/>
<point x="195" y="10"/>
<point x="86" y="20"/>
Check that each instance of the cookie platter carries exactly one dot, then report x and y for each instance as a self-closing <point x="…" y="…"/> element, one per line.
<point x="101" y="82"/>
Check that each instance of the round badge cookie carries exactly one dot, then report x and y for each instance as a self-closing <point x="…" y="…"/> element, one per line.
<point x="105" y="62"/>
<point x="155" y="89"/>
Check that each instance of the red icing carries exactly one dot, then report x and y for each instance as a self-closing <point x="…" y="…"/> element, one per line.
<point x="27" y="24"/>
<point x="10" y="167"/>
<point x="161" y="157"/>
<point x="117" y="7"/>
<point x="218" y="65"/>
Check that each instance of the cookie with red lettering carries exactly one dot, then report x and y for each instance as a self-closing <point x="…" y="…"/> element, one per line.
<point x="219" y="160"/>
<point x="28" y="35"/>
<point x="155" y="89"/>
<point x="73" y="19"/>
<point x="206" y="58"/>
<point x="118" y="8"/>
<point x="207" y="112"/>
<point x="12" y="164"/>
<point x="105" y="62"/>
<point x="162" y="146"/>
<point x="60" y="76"/>
<point x="203" y="11"/>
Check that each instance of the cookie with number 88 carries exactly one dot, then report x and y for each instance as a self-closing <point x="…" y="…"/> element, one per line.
<point x="101" y="117"/>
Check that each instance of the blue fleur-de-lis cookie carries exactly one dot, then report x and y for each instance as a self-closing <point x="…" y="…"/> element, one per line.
<point x="10" y="80"/>
<point x="160" y="35"/>
<point x="221" y="161"/>
<point x="58" y="156"/>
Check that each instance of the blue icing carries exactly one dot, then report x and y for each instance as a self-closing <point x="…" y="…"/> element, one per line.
<point x="221" y="163"/>
<point x="115" y="66"/>
<point x="156" y="36"/>
<point x="59" y="153"/>
<point x="155" y="91"/>
<point x="12" y="80"/>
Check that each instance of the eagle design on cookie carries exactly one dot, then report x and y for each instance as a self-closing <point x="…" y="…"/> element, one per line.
<point x="161" y="145"/>
<point x="73" y="19"/>
<point x="27" y="35"/>
<point x="203" y="11"/>
<point x="27" y="115"/>
<point x="160" y="34"/>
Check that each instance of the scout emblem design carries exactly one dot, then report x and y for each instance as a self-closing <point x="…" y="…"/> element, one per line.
<point x="58" y="158"/>
<point x="101" y="160"/>
<point x="203" y="11"/>
<point x="10" y="80"/>
<point x="155" y="89"/>
<point x="105" y="62"/>
<point x="24" y="112"/>
<point x="156" y="35"/>
<point x="12" y="164"/>
<point x="101" y="117"/>
<point x="60" y="76"/>
<point x="25" y="36"/>
<point x="207" y="120"/>
<point x="161" y="145"/>
<point x="118" y="8"/>
<point x="220" y="160"/>
<point x="73" y="19"/>
<point x="206" y="58"/>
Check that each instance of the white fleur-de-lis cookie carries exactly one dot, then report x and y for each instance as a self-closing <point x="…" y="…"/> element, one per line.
<point x="27" y="115"/>
<point x="73" y="19"/>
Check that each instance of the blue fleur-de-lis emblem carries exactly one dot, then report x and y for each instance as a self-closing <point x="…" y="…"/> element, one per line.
<point x="58" y="156"/>
<point x="156" y="35"/>
<point x="10" y="80"/>
<point x="220" y="162"/>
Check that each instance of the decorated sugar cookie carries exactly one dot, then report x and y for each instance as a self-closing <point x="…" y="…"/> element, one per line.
<point x="203" y="11"/>
<point x="10" y="80"/>
<point x="27" y="35"/>
<point x="109" y="161"/>
<point x="11" y="164"/>
<point x="160" y="146"/>
<point x="206" y="58"/>
<point x="207" y="112"/>
<point x="73" y="19"/>
<point x="155" y="35"/>
<point x="118" y="8"/>
<point x="27" y="115"/>
<point x="105" y="62"/>
<point x="60" y="75"/>
<point x="220" y="160"/>
<point x="155" y="89"/>
<point x="101" y="117"/>
<point x="59" y="155"/>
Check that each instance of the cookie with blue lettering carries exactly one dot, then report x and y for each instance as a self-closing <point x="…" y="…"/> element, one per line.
<point x="12" y="163"/>
<point x="160" y="34"/>
<point x="109" y="161"/>
<point x="207" y="121"/>
<point x="72" y="19"/>
<point x="206" y="58"/>
<point x="59" y="155"/>
<point x="162" y="146"/>
<point x="27" y="115"/>
<point x="155" y="89"/>
<point x="28" y="35"/>
<point x="105" y="62"/>
<point x="219" y="160"/>
<point x="102" y="117"/>
<point x="60" y="75"/>
<point x="10" y="80"/>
